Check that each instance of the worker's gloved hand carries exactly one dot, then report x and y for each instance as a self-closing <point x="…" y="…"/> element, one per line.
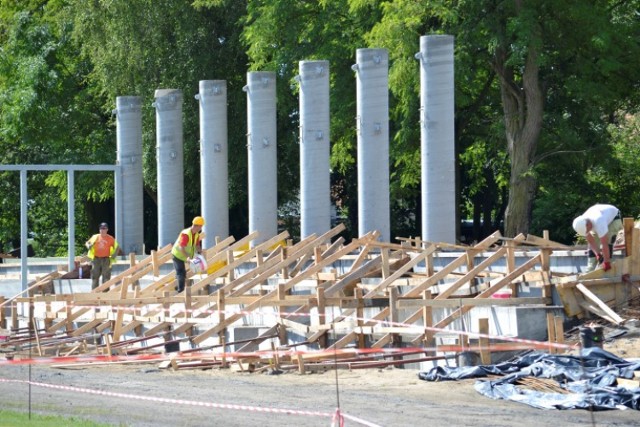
<point x="600" y="258"/>
<point x="606" y="266"/>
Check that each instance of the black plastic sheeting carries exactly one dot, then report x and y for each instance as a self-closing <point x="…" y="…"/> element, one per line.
<point x="590" y="379"/>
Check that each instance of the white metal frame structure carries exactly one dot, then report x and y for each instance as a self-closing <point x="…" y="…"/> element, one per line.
<point x="71" y="169"/>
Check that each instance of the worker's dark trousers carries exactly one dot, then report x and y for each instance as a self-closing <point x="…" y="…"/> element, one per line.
<point x="181" y="273"/>
<point x="100" y="267"/>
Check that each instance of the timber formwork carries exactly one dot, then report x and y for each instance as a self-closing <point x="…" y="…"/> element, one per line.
<point x="375" y="309"/>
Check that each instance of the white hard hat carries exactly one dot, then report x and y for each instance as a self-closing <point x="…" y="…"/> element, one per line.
<point x="580" y="225"/>
<point x="198" y="264"/>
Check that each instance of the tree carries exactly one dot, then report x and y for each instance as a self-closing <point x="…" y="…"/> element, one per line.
<point x="46" y="118"/>
<point x="279" y="34"/>
<point x="557" y="85"/>
<point x="138" y="47"/>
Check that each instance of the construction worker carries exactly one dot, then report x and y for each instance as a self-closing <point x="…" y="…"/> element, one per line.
<point x="188" y="243"/>
<point x="103" y="249"/>
<point x="600" y="225"/>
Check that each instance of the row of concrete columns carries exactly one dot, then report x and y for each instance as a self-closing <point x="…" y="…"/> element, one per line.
<point x="372" y="121"/>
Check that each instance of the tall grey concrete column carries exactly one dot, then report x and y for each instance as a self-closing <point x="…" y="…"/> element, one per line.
<point x="170" y="160"/>
<point x="214" y="153"/>
<point x="437" y="138"/>
<point x="372" y="84"/>
<point x="262" y="153"/>
<point x="129" y="144"/>
<point x="315" y="199"/>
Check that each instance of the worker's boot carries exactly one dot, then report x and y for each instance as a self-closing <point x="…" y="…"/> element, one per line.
<point x="593" y="262"/>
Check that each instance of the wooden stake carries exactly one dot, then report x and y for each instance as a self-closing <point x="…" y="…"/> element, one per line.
<point x="301" y="368"/>
<point x="276" y="356"/>
<point x="322" y="315"/>
<point x="360" y="315"/>
<point x="427" y="320"/>
<point x="35" y="333"/>
<point x="551" y="331"/>
<point x="155" y="263"/>
<point x="3" y="318"/>
<point x="559" y="328"/>
<point x="628" y="224"/>
<point x="483" y="342"/>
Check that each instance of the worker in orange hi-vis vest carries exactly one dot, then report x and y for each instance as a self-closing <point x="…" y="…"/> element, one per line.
<point x="103" y="249"/>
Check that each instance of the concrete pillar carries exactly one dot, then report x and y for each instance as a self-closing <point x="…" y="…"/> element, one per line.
<point x="170" y="161"/>
<point x="214" y="171"/>
<point x="262" y="154"/>
<point x="437" y="138"/>
<point x="315" y="199"/>
<point x="129" y="144"/>
<point x="372" y="78"/>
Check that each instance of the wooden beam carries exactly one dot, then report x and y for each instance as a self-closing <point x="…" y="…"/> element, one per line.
<point x="453" y="265"/>
<point x="599" y="303"/>
<point x="473" y="302"/>
<point x="499" y="284"/>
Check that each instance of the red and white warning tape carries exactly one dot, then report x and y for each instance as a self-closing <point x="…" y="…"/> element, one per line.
<point x="334" y="416"/>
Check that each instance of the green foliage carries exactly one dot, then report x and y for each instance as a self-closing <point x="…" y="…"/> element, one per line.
<point x="47" y="117"/>
<point x="139" y="47"/>
<point x="278" y="34"/>
<point x="63" y="63"/>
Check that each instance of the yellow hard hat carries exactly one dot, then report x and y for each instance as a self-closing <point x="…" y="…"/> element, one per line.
<point x="198" y="221"/>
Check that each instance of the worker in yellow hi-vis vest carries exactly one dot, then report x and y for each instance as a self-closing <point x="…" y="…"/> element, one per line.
<point x="103" y="249"/>
<point x="188" y="243"/>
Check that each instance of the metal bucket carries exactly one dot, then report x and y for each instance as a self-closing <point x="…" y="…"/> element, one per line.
<point x="468" y="358"/>
<point x="591" y="336"/>
<point x="172" y="347"/>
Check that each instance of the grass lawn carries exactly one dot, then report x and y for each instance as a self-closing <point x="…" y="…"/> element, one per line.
<point x="12" y="419"/>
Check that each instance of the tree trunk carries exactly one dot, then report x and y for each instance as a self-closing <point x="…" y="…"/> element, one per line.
<point x="523" y="109"/>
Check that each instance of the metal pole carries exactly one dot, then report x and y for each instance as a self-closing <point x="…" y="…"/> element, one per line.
<point x="437" y="138"/>
<point x="372" y="86"/>
<point x="71" y="217"/>
<point x="315" y="196"/>
<point x="23" y="229"/>
<point x="262" y="153"/>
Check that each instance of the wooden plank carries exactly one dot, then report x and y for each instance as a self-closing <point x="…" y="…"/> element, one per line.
<point x="499" y="284"/>
<point x="354" y="276"/>
<point x="270" y="267"/>
<point x="471" y="274"/>
<point x="598" y="302"/>
<point x="453" y="265"/>
<point x="131" y="270"/>
<point x="551" y="332"/>
<point x="234" y="262"/>
<point x="559" y="330"/>
<point x="628" y="225"/>
<point x="290" y="284"/>
<point x="473" y="302"/>
<point x="402" y="270"/>
<point x="546" y="243"/>
<point x="350" y="336"/>
<point x="39" y="282"/>
<point x="483" y="342"/>
<point x="364" y="253"/>
<point x="595" y="309"/>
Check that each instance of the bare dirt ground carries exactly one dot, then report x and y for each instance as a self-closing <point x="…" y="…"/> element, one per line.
<point x="143" y="395"/>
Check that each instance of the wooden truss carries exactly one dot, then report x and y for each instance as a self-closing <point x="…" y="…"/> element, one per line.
<point x="320" y="292"/>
